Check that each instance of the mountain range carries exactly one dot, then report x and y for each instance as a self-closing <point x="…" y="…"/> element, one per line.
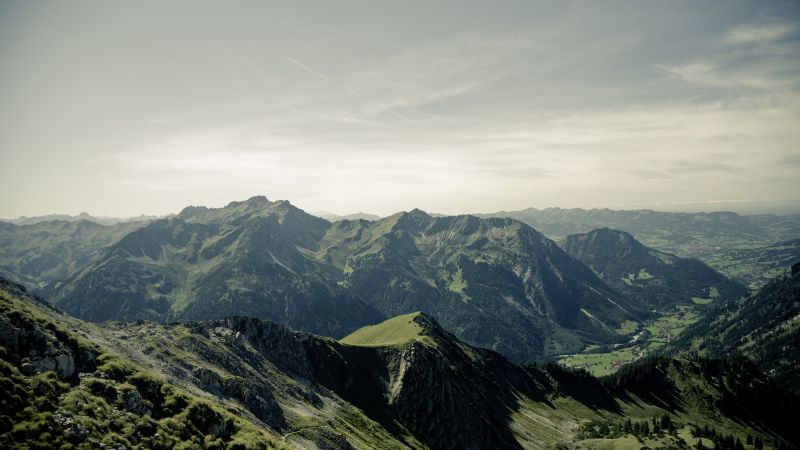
<point x="494" y="282"/>
<point x="102" y="220"/>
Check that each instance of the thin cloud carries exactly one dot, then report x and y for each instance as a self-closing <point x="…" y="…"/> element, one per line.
<point x="759" y="34"/>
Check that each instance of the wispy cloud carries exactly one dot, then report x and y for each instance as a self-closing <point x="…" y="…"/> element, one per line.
<point x="760" y="34"/>
<point x="702" y="73"/>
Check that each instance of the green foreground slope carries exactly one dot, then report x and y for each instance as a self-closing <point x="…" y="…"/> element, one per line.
<point x="63" y="389"/>
<point x="246" y="383"/>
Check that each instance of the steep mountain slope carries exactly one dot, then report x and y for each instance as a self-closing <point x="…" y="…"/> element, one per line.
<point x="46" y="252"/>
<point x="764" y="327"/>
<point x="245" y="383"/>
<point x="253" y="257"/>
<point x="496" y="283"/>
<point x="65" y="385"/>
<point x="659" y="280"/>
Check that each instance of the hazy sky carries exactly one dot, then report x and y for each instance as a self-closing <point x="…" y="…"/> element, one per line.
<point x="122" y="108"/>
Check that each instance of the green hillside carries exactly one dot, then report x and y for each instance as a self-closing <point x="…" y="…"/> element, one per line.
<point x="397" y="330"/>
<point x="763" y="327"/>
<point x="658" y="280"/>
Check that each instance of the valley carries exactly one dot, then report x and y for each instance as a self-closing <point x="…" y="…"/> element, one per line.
<point x="644" y="341"/>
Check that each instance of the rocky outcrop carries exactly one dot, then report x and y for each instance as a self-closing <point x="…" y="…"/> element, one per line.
<point x="133" y="401"/>
<point x="42" y="349"/>
<point x="208" y="421"/>
<point x="258" y="398"/>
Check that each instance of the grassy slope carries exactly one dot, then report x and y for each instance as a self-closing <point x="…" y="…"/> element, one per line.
<point x="397" y="330"/>
<point x="46" y="410"/>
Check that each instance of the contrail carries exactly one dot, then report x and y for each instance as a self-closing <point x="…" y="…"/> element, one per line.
<point x="308" y="69"/>
<point x="406" y="118"/>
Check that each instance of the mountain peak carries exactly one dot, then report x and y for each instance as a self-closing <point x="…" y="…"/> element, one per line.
<point x="609" y="233"/>
<point x="191" y="211"/>
<point x="414" y="220"/>
<point x="257" y="201"/>
<point x="657" y="279"/>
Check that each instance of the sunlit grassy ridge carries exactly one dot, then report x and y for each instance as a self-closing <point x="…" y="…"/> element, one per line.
<point x="395" y="331"/>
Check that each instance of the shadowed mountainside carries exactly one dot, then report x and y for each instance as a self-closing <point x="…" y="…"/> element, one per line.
<point x="659" y="280"/>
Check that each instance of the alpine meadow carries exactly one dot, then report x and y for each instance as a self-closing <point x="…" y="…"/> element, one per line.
<point x="428" y="225"/>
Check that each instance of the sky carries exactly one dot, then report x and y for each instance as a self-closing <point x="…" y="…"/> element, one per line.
<point x="124" y="108"/>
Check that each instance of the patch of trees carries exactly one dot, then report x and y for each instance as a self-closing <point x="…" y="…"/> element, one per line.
<point x="722" y="442"/>
<point x="653" y="428"/>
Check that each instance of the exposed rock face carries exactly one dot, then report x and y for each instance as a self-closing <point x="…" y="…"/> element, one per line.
<point x="74" y="432"/>
<point x="210" y="422"/>
<point x="134" y="402"/>
<point x="258" y="399"/>
<point x="45" y="349"/>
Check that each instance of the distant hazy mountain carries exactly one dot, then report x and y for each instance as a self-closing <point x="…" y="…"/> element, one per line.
<point x="45" y="252"/>
<point x="253" y="258"/>
<point x="558" y="223"/>
<point x="243" y="383"/>
<point x="494" y="282"/>
<point x="764" y="327"/>
<point x="331" y="217"/>
<point x="710" y="237"/>
<point x="657" y="279"/>
<point x="23" y="220"/>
